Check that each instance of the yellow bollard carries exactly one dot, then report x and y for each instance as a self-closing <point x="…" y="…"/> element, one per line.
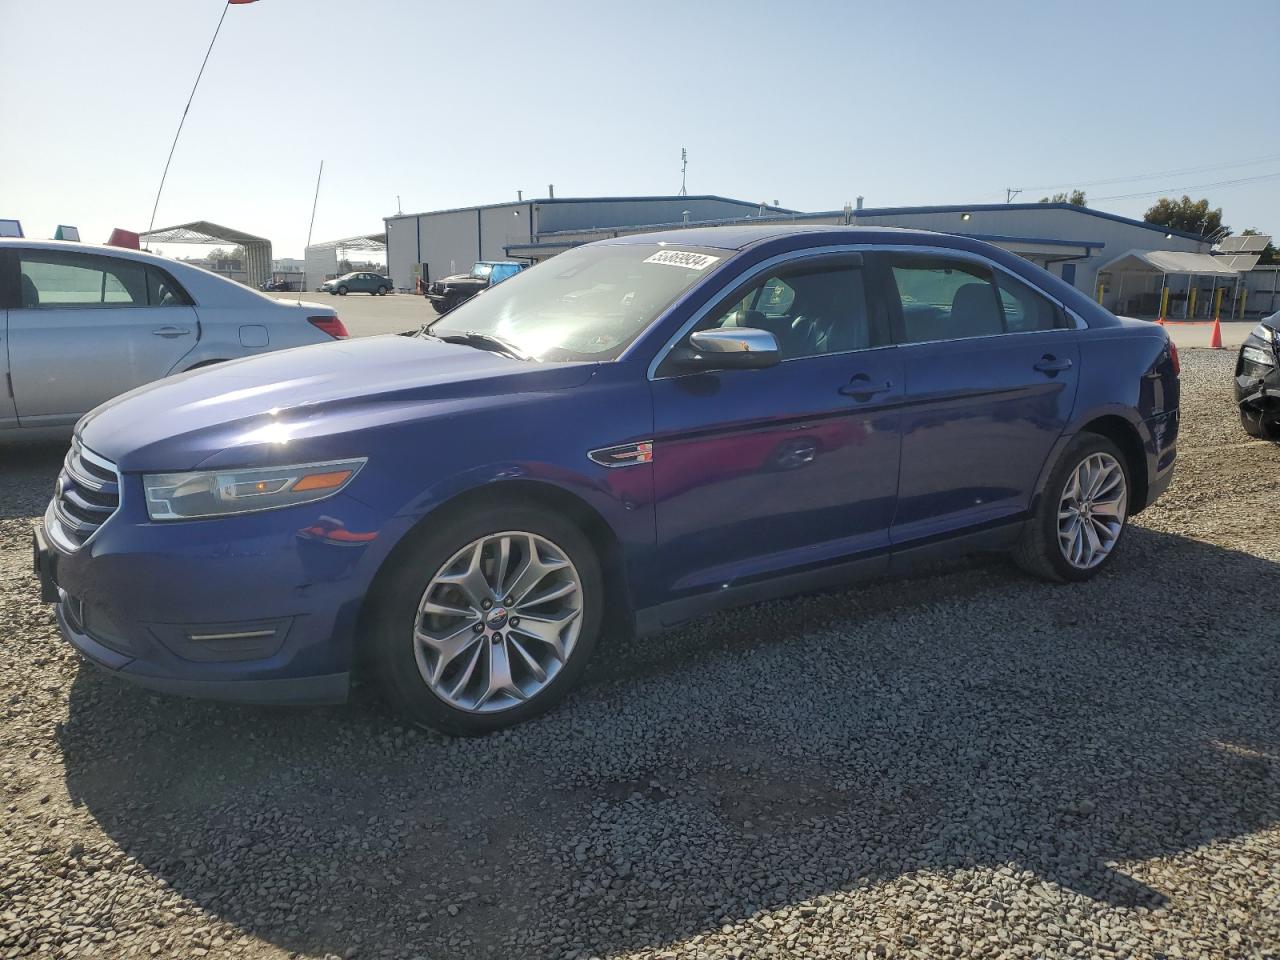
<point x="1164" y="302"/>
<point x="1244" y="298"/>
<point x="1217" y="302"/>
<point x="1101" y="290"/>
<point x="1191" y="303"/>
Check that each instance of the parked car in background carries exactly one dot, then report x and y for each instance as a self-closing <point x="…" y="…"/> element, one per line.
<point x="275" y="285"/>
<point x="84" y="323"/>
<point x="371" y="283"/>
<point x="642" y="430"/>
<point x="452" y="291"/>
<point x="1257" y="383"/>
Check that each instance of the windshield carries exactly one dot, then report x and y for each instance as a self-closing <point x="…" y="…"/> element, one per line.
<point x="585" y="304"/>
<point x="481" y="270"/>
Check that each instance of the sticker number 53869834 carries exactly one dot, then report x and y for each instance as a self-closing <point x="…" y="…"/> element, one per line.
<point x="682" y="258"/>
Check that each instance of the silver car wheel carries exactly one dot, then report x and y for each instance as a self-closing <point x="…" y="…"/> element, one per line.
<point x="1092" y="510"/>
<point x="498" y="621"/>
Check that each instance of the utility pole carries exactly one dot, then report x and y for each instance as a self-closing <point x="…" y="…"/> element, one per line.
<point x="1010" y="193"/>
<point x="684" y="166"/>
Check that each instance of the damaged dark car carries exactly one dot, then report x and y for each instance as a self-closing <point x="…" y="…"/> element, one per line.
<point x="1258" y="380"/>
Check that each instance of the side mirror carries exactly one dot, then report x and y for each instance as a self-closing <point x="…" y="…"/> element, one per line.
<point x="731" y="348"/>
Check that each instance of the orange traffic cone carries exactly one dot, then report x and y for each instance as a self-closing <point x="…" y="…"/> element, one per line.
<point x="1215" y="338"/>
<point x="1160" y="320"/>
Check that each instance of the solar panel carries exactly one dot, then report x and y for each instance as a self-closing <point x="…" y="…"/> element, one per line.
<point x="1240" y="262"/>
<point x="1242" y="244"/>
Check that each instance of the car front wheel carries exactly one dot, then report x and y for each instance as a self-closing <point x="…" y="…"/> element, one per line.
<point x="382" y="291"/>
<point x="488" y="620"/>
<point x="1082" y="514"/>
<point x="1255" y="425"/>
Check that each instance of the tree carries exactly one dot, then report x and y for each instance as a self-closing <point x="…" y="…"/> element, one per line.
<point x="1075" y="197"/>
<point x="1187" y="215"/>
<point x="1269" y="252"/>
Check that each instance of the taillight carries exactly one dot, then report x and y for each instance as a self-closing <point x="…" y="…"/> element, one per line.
<point x="330" y="325"/>
<point x="1173" y="357"/>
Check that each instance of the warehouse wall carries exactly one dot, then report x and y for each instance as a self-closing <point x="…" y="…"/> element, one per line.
<point x="402" y="251"/>
<point x="500" y="226"/>
<point x="624" y="212"/>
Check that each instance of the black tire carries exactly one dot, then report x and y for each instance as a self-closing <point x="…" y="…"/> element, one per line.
<point x="342" y="291"/>
<point x="439" y="306"/>
<point x="1256" y="427"/>
<point x="1038" y="551"/>
<point x="399" y="591"/>
<point x="382" y="292"/>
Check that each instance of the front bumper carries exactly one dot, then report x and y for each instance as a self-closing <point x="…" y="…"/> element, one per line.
<point x="1257" y="385"/>
<point x="259" y="608"/>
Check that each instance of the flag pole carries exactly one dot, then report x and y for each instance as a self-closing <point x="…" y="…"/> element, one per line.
<point x="173" y="146"/>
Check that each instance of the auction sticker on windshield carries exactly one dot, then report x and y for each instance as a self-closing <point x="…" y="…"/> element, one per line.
<point x="680" y="258"/>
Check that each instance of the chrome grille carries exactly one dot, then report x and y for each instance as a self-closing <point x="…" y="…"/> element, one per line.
<point x="87" y="494"/>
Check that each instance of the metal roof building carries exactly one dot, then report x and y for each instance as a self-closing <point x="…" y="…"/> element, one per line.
<point x="1084" y="246"/>
<point x="436" y="244"/>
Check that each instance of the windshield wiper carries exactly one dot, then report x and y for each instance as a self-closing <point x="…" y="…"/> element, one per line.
<point x="485" y="341"/>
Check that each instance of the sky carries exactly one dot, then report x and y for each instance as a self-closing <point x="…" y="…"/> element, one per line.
<point x="810" y="103"/>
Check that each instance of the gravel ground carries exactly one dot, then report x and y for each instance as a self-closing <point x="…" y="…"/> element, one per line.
<point x="968" y="764"/>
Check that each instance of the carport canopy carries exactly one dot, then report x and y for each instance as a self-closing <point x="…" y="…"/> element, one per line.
<point x="257" y="250"/>
<point x="1169" y="262"/>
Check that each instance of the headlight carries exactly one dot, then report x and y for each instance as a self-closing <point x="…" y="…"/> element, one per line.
<point x="220" y="493"/>
<point x="1258" y="356"/>
<point x="1264" y="333"/>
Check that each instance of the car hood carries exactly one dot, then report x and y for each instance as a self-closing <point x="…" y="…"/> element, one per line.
<point x="460" y="278"/>
<point x="275" y="407"/>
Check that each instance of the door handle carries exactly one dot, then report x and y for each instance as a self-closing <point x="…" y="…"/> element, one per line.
<point x="862" y="389"/>
<point x="1050" y="364"/>
<point x="171" y="332"/>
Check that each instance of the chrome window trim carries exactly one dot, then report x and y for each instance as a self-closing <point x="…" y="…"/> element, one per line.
<point x="1077" y="322"/>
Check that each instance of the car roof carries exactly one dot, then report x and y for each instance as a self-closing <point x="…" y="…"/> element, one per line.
<point x="742" y="236"/>
<point x="99" y="249"/>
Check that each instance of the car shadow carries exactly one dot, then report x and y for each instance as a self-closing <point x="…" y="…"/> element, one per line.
<point x="27" y="473"/>
<point x="743" y="763"/>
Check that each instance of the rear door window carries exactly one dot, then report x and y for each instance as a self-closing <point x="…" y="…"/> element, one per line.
<point x="942" y="299"/>
<point x="53" y="279"/>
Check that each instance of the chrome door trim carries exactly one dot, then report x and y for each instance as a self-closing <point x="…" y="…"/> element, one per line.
<point x="743" y="276"/>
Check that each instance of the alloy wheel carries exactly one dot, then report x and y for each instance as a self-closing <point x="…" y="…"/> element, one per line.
<point x="1092" y="510"/>
<point x="498" y="622"/>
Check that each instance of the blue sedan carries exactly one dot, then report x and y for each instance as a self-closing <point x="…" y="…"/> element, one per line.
<point x="636" y="432"/>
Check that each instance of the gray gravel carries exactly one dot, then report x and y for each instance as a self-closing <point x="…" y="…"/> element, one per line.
<point x="968" y="764"/>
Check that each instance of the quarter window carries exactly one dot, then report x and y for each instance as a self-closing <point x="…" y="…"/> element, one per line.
<point x="1025" y="309"/>
<point x="810" y="310"/>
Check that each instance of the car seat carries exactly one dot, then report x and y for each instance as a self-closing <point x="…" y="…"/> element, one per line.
<point x="30" y="295"/>
<point x="975" y="312"/>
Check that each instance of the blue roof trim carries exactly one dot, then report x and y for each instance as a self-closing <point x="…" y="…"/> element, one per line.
<point x="1047" y="241"/>
<point x="988" y="207"/>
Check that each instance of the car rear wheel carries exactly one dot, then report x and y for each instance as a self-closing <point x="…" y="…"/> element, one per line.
<point x="1082" y="513"/>
<point x="488" y="620"/>
<point x="342" y="291"/>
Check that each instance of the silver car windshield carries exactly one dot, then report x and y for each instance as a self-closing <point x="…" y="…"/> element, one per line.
<point x="585" y="304"/>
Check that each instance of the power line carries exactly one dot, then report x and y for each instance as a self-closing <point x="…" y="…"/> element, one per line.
<point x="1221" y="184"/>
<point x="1159" y="173"/>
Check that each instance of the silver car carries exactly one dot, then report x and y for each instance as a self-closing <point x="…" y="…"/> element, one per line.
<point x="80" y="324"/>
